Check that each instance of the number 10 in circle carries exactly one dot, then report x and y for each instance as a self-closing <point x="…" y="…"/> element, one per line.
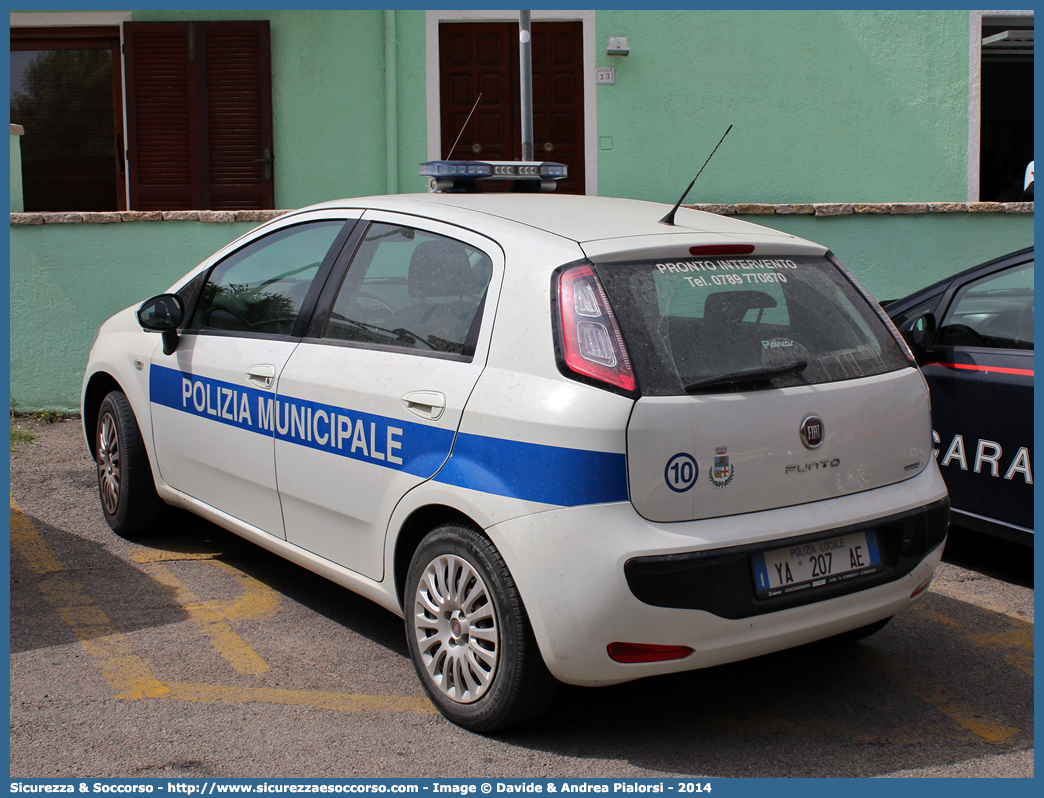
<point x="681" y="472"/>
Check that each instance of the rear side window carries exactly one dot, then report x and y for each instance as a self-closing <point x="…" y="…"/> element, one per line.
<point x="697" y="320"/>
<point x="412" y="290"/>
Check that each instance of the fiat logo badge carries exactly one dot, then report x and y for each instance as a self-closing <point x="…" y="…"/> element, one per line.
<point x="812" y="432"/>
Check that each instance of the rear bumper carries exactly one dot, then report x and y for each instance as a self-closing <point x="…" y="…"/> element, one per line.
<point x="719" y="580"/>
<point x="575" y="569"/>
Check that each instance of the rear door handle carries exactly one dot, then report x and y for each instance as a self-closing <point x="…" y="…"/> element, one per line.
<point x="262" y="375"/>
<point x="429" y="405"/>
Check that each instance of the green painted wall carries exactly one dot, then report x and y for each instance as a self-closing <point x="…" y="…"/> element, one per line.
<point x="66" y="279"/>
<point x="413" y="116"/>
<point x="17" y="202"/>
<point x="58" y="299"/>
<point x="895" y="254"/>
<point x="328" y="99"/>
<point x="828" y="106"/>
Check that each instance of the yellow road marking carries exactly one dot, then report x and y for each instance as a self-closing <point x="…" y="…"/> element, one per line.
<point x="256" y="600"/>
<point x="1015" y="644"/>
<point x="108" y="647"/>
<point x="960" y="712"/>
<point x="340" y="702"/>
<point x="131" y="677"/>
<point x="978" y="601"/>
<point x="29" y="545"/>
<point x="143" y="555"/>
<point x="210" y="617"/>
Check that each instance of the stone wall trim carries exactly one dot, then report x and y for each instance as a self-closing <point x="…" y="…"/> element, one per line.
<point x="722" y="209"/>
<point x="209" y="217"/>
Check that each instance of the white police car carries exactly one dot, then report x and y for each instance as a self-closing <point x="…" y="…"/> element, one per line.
<point x="564" y="440"/>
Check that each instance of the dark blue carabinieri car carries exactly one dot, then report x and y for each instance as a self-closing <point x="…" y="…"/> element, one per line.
<point x="972" y="335"/>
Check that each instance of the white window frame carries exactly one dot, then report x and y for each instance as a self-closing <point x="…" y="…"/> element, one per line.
<point x="587" y="18"/>
<point x="975" y="90"/>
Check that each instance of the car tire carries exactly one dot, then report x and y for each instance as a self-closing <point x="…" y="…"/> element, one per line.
<point x="469" y="635"/>
<point x="125" y="483"/>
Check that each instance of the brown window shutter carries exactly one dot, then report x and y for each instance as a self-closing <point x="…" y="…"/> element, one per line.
<point x="236" y="115"/>
<point x="199" y="115"/>
<point x="162" y="124"/>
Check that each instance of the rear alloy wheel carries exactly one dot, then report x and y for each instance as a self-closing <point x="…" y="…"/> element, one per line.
<point x="125" y="484"/>
<point x="469" y="634"/>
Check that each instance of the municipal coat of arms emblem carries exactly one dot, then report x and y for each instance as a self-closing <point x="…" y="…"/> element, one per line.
<point x="722" y="472"/>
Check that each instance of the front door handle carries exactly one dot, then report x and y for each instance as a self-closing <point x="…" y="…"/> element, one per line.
<point x="262" y="375"/>
<point x="429" y="405"/>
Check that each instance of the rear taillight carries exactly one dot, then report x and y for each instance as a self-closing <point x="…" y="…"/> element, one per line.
<point x="645" y="652"/>
<point x="590" y="341"/>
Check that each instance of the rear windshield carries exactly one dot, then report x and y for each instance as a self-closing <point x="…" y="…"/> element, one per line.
<point x="689" y="322"/>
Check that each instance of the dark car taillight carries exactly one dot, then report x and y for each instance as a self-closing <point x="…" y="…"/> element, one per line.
<point x="590" y="343"/>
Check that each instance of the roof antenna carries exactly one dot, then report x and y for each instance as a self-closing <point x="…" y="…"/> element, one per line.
<point x="669" y="218"/>
<point x="462" y="127"/>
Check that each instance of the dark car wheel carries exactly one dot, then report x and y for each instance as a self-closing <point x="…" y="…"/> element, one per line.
<point x="125" y="484"/>
<point x="469" y="634"/>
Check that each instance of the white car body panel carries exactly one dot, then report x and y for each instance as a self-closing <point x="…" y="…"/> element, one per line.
<point x="572" y="560"/>
<point x="869" y="443"/>
<point x="210" y="424"/>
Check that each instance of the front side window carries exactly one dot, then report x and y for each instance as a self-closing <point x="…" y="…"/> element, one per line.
<point x="696" y="321"/>
<point x="994" y="311"/>
<point x="261" y="287"/>
<point x="414" y="290"/>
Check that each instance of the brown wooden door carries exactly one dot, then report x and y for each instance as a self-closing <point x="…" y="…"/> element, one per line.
<point x="558" y="99"/>
<point x="199" y="115"/>
<point x="483" y="58"/>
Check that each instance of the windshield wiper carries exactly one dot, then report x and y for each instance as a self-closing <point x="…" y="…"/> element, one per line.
<point x="750" y="375"/>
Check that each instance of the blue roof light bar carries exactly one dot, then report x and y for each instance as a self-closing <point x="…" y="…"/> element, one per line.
<point x="462" y="175"/>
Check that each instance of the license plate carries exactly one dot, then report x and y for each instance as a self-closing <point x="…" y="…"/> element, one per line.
<point x="808" y="566"/>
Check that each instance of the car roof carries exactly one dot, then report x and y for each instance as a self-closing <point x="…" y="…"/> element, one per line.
<point x="574" y="217"/>
<point x="921" y="294"/>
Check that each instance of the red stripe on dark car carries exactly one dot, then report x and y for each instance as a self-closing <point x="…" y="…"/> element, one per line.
<point x="969" y="367"/>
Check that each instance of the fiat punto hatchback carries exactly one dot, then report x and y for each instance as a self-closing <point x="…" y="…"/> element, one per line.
<point x="563" y="440"/>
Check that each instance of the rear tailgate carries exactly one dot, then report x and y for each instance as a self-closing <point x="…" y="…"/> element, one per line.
<point x="692" y="457"/>
<point x="766" y="380"/>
